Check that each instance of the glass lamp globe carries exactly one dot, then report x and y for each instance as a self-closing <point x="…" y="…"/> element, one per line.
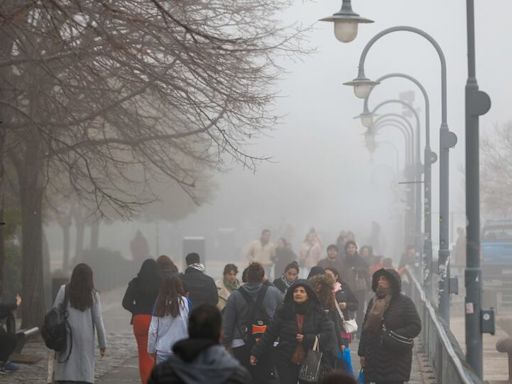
<point x="345" y="31"/>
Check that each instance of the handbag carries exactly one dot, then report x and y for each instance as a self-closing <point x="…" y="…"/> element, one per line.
<point x="350" y="326"/>
<point x="396" y="342"/>
<point x="310" y="370"/>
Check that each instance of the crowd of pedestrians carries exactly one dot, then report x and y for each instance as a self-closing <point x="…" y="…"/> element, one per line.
<point x="190" y="328"/>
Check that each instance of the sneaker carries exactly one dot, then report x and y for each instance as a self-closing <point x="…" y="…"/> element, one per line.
<point x="9" y="366"/>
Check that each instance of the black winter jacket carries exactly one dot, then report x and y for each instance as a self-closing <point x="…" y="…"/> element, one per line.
<point x="401" y="316"/>
<point x="200" y="287"/>
<point x="284" y="327"/>
<point x="137" y="300"/>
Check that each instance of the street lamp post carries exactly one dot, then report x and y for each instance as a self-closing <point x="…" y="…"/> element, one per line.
<point x="367" y="116"/>
<point x="447" y="140"/>
<point x="477" y="104"/>
<point x="405" y="127"/>
<point x="417" y="170"/>
<point x="428" y="160"/>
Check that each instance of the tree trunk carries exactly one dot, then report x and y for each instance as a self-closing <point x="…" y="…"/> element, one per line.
<point x="31" y="198"/>
<point x="66" y="247"/>
<point x="79" y="241"/>
<point x="2" y="251"/>
<point x="95" y="234"/>
<point x="64" y="222"/>
<point x="2" y="235"/>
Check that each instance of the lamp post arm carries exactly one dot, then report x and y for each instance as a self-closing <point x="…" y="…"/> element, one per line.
<point x="402" y="128"/>
<point x="407" y="127"/>
<point x="364" y="53"/>
<point x="423" y="92"/>
<point x="416" y="117"/>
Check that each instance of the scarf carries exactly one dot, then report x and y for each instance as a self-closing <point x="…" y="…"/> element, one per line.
<point x="302" y="308"/>
<point x="376" y="314"/>
<point x="231" y="286"/>
<point x="299" y="354"/>
<point x="286" y="282"/>
<point x="200" y="267"/>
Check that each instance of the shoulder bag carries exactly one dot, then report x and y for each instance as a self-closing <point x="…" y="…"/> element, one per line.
<point x="395" y="342"/>
<point x="350" y="326"/>
<point x="310" y="370"/>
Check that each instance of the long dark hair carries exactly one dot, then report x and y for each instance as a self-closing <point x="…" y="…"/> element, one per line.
<point x="148" y="278"/>
<point x="166" y="265"/>
<point x="169" y="297"/>
<point x="81" y="287"/>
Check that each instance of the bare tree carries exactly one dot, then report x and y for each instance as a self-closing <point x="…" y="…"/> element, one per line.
<point x="95" y="88"/>
<point x="496" y="170"/>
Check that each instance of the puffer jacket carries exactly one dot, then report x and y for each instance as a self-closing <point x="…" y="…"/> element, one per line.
<point x="284" y="328"/>
<point x="401" y="316"/>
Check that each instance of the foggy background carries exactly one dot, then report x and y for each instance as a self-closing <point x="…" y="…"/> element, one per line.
<point x="321" y="174"/>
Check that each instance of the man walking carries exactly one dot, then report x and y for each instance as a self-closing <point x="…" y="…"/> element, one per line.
<point x="262" y="251"/>
<point x="201" y="288"/>
<point x="247" y="314"/>
<point x="201" y="358"/>
<point x="333" y="259"/>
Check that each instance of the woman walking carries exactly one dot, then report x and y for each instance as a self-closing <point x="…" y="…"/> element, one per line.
<point x="284" y="256"/>
<point x="297" y="323"/>
<point x="324" y="288"/>
<point x="227" y="284"/>
<point x="169" y="322"/>
<point x="390" y="316"/>
<point x="139" y="299"/>
<point x="356" y="273"/>
<point x="290" y="275"/>
<point x="310" y="251"/>
<point x="76" y="363"/>
<point x="342" y="292"/>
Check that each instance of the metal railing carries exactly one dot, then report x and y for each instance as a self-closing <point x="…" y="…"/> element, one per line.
<point x="438" y="343"/>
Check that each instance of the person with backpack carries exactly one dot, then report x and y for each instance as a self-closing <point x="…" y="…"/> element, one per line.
<point x="201" y="358"/>
<point x="140" y="299"/>
<point x="246" y="316"/>
<point x="82" y="305"/>
<point x="169" y="321"/>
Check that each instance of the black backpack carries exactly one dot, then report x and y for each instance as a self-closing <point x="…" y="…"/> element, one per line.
<point x="257" y="321"/>
<point x="56" y="327"/>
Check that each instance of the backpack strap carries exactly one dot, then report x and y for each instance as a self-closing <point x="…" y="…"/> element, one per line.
<point x="259" y="301"/>
<point x="64" y="304"/>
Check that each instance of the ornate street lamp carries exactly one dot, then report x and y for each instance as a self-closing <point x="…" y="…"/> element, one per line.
<point x="346" y="22"/>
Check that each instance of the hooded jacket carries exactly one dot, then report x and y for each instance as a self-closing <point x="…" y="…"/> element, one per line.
<point x="236" y="311"/>
<point x="284" y="327"/>
<point x="401" y="316"/>
<point x="197" y="361"/>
